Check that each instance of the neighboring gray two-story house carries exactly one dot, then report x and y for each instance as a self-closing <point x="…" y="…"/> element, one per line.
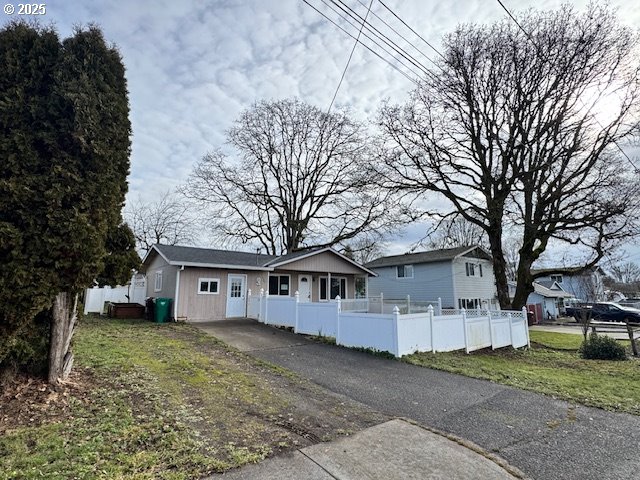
<point x="587" y="286"/>
<point x="461" y="277"/>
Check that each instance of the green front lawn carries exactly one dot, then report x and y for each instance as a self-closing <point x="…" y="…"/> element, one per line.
<point x="150" y="401"/>
<point x="552" y="366"/>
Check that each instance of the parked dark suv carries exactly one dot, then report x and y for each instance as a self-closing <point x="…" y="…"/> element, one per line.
<point x="614" y="312"/>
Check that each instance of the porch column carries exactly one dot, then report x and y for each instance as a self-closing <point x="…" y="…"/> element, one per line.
<point x="329" y="286"/>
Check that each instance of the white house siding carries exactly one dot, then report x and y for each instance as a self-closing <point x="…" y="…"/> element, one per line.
<point x="168" y="278"/>
<point x="430" y="281"/>
<point x="195" y="307"/>
<point x="473" y="287"/>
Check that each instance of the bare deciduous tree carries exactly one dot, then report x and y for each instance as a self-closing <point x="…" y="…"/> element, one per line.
<point x="626" y="272"/>
<point x="520" y="129"/>
<point x="300" y="178"/>
<point x="168" y="221"/>
<point x="455" y="231"/>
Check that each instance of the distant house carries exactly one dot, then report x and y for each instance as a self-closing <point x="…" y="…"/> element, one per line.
<point x="461" y="277"/>
<point x="587" y="286"/>
<point x="207" y="284"/>
<point x="546" y="300"/>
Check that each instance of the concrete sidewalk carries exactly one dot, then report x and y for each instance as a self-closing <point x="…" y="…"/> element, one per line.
<point x="395" y="449"/>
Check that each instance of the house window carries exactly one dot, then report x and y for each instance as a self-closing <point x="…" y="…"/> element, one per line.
<point x="556" y="278"/>
<point x="404" y="271"/>
<point x="208" y="285"/>
<point x="473" y="269"/>
<point x="338" y="287"/>
<point x="279" y="285"/>
<point x="158" y="282"/>
<point x="469" y="303"/>
<point x="361" y="287"/>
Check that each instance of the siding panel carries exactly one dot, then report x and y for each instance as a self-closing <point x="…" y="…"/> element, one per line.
<point x="430" y="281"/>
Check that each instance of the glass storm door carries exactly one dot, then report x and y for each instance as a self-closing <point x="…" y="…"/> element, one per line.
<point x="236" y="301"/>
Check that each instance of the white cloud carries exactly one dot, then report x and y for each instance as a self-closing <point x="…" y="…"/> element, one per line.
<point x="193" y="66"/>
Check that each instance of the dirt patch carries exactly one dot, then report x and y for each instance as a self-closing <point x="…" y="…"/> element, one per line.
<point x="31" y="401"/>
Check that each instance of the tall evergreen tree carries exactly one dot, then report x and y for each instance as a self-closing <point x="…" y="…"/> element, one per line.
<point x="65" y="148"/>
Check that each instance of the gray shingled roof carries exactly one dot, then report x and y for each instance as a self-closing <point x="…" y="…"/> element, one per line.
<point x="420" y="257"/>
<point x="293" y="255"/>
<point x="210" y="256"/>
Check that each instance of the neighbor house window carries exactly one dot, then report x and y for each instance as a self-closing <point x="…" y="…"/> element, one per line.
<point x="473" y="269"/>
<point x="361" y="287"/>
<point x="468" y="303"/>
<point x="208" y="285"/>
<point x="279" y="285"/>
<point x="404" y="271"/>
<point x="338" y="287"/>
<point x="556" y="278"/>
<point x="158" y="282"/>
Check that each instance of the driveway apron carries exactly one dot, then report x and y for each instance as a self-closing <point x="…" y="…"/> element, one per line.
<point x="544" y="437"/>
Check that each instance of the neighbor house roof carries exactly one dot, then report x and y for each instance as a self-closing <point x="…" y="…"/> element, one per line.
<point x="212" y="258"/>
<point x="430" y="256"/>
<point x="552" y="291"/>
<point x="569" y="271"/>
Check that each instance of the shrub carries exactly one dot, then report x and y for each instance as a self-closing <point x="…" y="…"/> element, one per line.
<point x="602" y="347"/>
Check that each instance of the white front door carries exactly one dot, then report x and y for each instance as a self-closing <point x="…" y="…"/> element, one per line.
<point x="304" y="288"/>
<point x="236" y="303"/>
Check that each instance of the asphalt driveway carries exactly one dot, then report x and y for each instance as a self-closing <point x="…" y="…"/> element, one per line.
<point x="544" y="437"/>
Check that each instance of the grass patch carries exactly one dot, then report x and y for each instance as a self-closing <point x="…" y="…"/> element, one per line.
<point x="552" y="366"/>
<point x="164" y="401"/>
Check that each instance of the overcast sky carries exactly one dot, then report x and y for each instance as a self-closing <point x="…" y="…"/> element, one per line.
<point x="193" y="66"/>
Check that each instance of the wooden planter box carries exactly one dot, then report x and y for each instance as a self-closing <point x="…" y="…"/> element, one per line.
<point x="126" y="310"/>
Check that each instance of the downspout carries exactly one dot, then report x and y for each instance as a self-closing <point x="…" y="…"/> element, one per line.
<point x="175" y="300"/>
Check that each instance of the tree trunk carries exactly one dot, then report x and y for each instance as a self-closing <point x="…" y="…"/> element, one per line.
<point x="63" y="321"/>
<point x="499" y="267"/>
<point x="524" y="282"/>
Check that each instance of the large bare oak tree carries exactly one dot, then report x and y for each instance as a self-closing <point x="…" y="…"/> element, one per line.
<point x="519" y="127"/>
<point x="298" y="177"/>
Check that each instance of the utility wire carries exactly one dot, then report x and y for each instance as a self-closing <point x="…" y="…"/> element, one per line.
<point x="402" y="37"/>
<point x="528" y="35"/>
<point x="375" y="42"/>
<point x="401" y="51"/>
<point x="344" y="72"/>
<point x="414" y="32"/>
<point x="413" y="80"/>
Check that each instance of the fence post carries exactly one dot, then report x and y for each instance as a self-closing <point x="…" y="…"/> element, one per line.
<point x="381" y="302"/>
<point x="464" y="325"/>
<point x="338" y="325"/>
<point x="396" y="340"/>
<point x="430" y="314"/>
<point x="266" y="308"/>
<point x="510" y="329"/>
<point x="408" y="303"/>
<point x="338" y="301"/>
<point x="490" y="329"/>
<point x="525" y="319"/>
<point x="439" y="306"/>
<point x="295" y="323"/>
<point x="260" y="302"/>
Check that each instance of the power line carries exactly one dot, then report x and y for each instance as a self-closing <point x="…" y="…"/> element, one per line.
<point x="363" y="44"/>
<point x="344" y="72"/>
<point x="414" y="32"/>
<point x="528" y="35"/>
<point x="347" y="20"/>
<point x="401" y="51"/>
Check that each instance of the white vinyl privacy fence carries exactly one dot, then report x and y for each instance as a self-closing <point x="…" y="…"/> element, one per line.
<point x="397" y="333"/>
<point x="96" y="297"/>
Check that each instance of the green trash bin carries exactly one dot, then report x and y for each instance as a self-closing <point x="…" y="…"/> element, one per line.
<point x="162" y="310"/>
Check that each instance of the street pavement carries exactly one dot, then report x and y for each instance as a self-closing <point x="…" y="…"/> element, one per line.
<point x="544" y="437"/>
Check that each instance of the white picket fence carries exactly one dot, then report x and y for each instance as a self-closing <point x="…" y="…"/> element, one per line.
<point x="96" y="297"/>
<point x="397" y="333"/>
